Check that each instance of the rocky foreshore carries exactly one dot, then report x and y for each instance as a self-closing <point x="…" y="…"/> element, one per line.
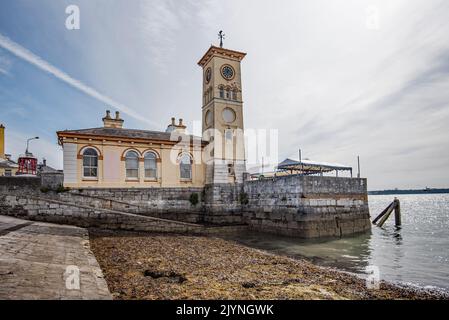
<point x="171" y="266"/>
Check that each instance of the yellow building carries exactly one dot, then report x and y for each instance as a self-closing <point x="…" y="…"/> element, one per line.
<point x="7" y="166"/>
<point x="113" y="156"/>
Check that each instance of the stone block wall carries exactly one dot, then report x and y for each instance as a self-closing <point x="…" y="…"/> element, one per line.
<point x="42" y="209"/>
<point x="301" y="206"/>
<point x="25" y="183"/>
<point x="221" y="203"/>
<point x="52" y="180"/>
<point x="307" y="206"/>
<point x="167" y="203"/>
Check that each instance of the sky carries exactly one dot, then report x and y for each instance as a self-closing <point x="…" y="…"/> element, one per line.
<point x="335" y="78"/>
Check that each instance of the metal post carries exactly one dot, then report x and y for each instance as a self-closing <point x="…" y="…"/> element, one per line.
<point x="28" y="143"/>
<point x="358" y="167"/>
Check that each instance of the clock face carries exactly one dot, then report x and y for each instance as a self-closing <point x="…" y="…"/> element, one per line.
<point x="228" y="115"/>
<point x="208" y="75"/>
<point x="227" y="72"/>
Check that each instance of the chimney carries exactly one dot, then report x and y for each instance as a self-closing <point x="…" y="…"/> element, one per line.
<point x="176" y="127"/>
<point x="44" y="161"/>
<point x="2" y="141"/>
<point x="109" y="122"/>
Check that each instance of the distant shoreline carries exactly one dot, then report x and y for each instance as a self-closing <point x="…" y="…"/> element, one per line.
<point x="411" y="191"/>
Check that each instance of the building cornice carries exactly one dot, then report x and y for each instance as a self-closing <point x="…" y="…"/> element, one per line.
<point x="61" y="135"/>
<point x="220" y="52"/>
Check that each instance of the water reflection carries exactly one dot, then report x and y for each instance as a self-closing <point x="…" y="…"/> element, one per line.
<point x="352" y="253"/>
<point x="416" y="253"/>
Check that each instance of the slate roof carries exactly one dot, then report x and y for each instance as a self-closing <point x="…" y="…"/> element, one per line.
<point x="8" y="164"/>
<point x="124" y="133"/>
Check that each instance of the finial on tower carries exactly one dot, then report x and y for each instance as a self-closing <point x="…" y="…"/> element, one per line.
<point x="221" y="36"/>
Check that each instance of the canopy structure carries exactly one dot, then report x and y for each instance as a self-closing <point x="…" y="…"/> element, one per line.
<point x="309" y="167"/>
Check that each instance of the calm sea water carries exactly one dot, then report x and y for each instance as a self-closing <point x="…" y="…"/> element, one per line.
<point x="415" y="254"/>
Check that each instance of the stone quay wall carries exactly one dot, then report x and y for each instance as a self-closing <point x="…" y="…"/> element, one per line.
<point x="52" y="180"/>
<point x="300" y="206"/>
<point x="307" y="206"/>
<point x="49" y="210"/>
<point x="167" y="203"/>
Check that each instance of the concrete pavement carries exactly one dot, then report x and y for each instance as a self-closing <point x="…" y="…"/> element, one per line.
<point x="45" y="261"/>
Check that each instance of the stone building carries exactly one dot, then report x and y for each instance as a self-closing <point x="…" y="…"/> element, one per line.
<point x="113" y="156"/>
<point x="177" y="176"/>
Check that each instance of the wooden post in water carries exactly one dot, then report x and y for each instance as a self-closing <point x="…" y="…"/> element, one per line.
<point x="397" y="212"/>
<point x="387" y="214"/>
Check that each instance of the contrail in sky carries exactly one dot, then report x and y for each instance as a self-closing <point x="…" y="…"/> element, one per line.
<point x="30" y="57"/>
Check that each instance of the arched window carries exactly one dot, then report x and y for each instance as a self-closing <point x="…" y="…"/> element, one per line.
<point x="150" y="165"/>
<point x="221" y="92"/>
<point x="228" y="93"/>
<point x="185" y="165"/>
<point x="132" y="164"/>
<point x="90" y="163"/>
<point x="234" y="94"/>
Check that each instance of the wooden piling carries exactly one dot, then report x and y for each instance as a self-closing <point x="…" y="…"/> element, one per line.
<point x="397" y="212"/>
<point x="381" y="214"/>
<point x="387" y="214"/>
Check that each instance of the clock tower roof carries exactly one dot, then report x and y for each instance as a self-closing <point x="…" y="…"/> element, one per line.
<point x="221" y="52"/>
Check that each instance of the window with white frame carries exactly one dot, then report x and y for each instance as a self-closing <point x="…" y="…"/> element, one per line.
<point x="90" y="163"/>
<point x="132" y="165"/>
<point x="185" y="165"/>
<point x="150" y="165"/>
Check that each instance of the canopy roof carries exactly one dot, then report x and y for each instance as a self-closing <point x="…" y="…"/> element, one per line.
<point x="311" y="167"/>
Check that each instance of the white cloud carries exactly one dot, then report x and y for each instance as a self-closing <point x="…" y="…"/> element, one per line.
<point x="28" y="56"/>
<point x="5" y="64"/>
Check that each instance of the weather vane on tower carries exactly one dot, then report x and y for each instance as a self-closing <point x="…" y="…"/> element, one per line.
<point x="221" y="36"/>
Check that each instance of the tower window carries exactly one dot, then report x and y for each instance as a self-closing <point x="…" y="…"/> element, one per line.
<point x="221" y="92"/>
<point x="229" y="134"/>
<point x="234" y="94"/>
<point x="90" y="163"/>
<point x="132" y="165"/>
<point x="228" y="93"/>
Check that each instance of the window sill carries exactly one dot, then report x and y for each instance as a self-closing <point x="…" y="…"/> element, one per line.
<point x="186" y="180"/>
<point x="89" y="179"/>
<point x="150" y="180"/>
<point x="132" y="180"/>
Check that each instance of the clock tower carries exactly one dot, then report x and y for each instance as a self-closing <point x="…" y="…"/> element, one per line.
<point x="222" y="113"/>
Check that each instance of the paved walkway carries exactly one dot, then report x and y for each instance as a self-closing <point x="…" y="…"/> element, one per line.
<point x="34" y="257"/>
